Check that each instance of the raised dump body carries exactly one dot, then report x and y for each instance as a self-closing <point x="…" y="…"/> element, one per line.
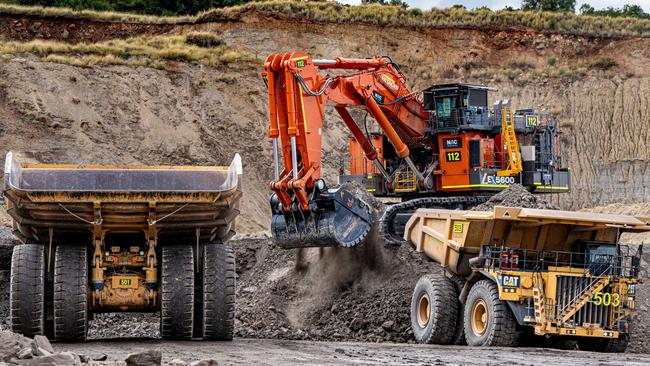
<point x="557" y="273"/>
<point x="123" y="238"/>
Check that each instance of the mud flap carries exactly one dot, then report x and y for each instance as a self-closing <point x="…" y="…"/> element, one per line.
<point x="338" y="220"/>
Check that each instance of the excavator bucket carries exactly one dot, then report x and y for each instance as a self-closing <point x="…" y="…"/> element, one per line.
<point x="339" y="219"/>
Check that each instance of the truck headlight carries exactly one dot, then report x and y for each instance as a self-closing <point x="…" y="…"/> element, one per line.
<point x="631" y="289"/>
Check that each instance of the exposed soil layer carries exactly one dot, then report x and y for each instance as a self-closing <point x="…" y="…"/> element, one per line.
<point x="26" y="28"/>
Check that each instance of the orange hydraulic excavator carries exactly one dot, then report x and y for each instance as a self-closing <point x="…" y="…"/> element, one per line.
<point x="439" y="147"/>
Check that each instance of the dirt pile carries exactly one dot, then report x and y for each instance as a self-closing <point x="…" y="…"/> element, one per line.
<point x="360" y="294"/>
<point x="327" y="294"/>
<point x="515" y="196"/>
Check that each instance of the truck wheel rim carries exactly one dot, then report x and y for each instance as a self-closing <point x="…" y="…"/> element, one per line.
<point x="424" y="308"/>
<point x="479" y="317"/>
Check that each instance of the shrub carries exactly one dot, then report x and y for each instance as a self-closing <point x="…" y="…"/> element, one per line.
<point x="142" y="51"/>
<point x="204" y="39"/>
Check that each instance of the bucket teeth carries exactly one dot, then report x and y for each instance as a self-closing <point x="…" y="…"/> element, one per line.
<point x="340" y="220"/>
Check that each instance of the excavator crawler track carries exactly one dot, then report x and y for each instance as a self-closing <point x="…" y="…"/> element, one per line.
<point x="391" y="224"/>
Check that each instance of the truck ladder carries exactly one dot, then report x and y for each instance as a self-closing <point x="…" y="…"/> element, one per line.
<point x="511" y="146"/>
<point x="540" y="303"/>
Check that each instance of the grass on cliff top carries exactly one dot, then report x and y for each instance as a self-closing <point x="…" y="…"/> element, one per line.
<point x="199" y="47"/>
<point x="102" y="16"/>
<point x="380" y="15"/>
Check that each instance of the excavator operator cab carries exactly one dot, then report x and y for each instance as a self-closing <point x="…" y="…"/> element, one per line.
<point x="455" y="107"/>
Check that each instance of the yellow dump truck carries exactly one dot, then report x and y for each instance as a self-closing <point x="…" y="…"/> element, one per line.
<point x="122" y="238"/>
<point x="514" y="272"/>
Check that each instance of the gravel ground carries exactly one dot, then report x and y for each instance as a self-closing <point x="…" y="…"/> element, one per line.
<point x="285" y="352"/>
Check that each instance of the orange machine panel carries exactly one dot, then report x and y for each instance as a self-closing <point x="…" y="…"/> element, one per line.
<point x="454" y="160"/>
<point x="359" y="165"/>
<point x="487" y="153"/>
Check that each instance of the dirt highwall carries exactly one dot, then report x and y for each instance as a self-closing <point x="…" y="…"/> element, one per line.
<point x="192" y="114"/>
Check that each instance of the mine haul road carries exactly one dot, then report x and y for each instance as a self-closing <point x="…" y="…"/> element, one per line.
<point x="284" y="352"/>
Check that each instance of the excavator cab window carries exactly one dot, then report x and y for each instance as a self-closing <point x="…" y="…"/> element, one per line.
<point x="447" y="111"/>
<point x="457" y="106"/>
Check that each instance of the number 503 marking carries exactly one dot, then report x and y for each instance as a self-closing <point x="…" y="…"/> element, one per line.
<point x="607" y="299"/>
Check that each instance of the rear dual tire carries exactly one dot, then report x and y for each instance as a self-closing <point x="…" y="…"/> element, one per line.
<point x="218" y="292"/>
<point x="177" y="292"/>
<point x="213" y="294"/>
<point x="28" y="280"/>
<point x="70" y="293"/>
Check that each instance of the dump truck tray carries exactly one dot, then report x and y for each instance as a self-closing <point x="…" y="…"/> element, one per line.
<point x="183" y="202"/>
<point x="452" y="237"/>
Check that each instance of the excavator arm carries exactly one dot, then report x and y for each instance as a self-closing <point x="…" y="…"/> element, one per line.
<point x="305" y="211"/>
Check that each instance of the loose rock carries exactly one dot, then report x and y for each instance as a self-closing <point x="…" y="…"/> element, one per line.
<point x="42" y="342"/>
<point x="152" y="357"/>
<point x="204" y="363"/>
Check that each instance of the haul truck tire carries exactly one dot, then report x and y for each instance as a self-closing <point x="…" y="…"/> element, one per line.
<point x="177" y="292"/>
<point x="433" y="309"/>
<point x="604" y="345"/>
<point x="459" y="332"/>
<point x="70" y="293"/>
<point x="27" y="294"/>
<point x="489" y="320"/>
<point x="218" y="292"/>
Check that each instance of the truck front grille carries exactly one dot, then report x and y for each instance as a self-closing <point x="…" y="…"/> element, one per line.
<point x="569" y="289"/>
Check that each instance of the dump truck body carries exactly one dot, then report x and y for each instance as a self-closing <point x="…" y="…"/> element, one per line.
<point x="561" y="273"/>
<point x="130" y="225"/>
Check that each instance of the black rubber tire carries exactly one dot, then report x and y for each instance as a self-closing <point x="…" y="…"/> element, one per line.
<point x="70" y="293"/>
<point x="218" y="292"/>
<point x="459" y="332"/>
<point x="27" y="293"/>
<point x="604" y="345"/>
<point x="177" y="292"/>
<point x="438" y="325"/>
<point x="563" y="343"/>
<point x="501" y="326"/>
